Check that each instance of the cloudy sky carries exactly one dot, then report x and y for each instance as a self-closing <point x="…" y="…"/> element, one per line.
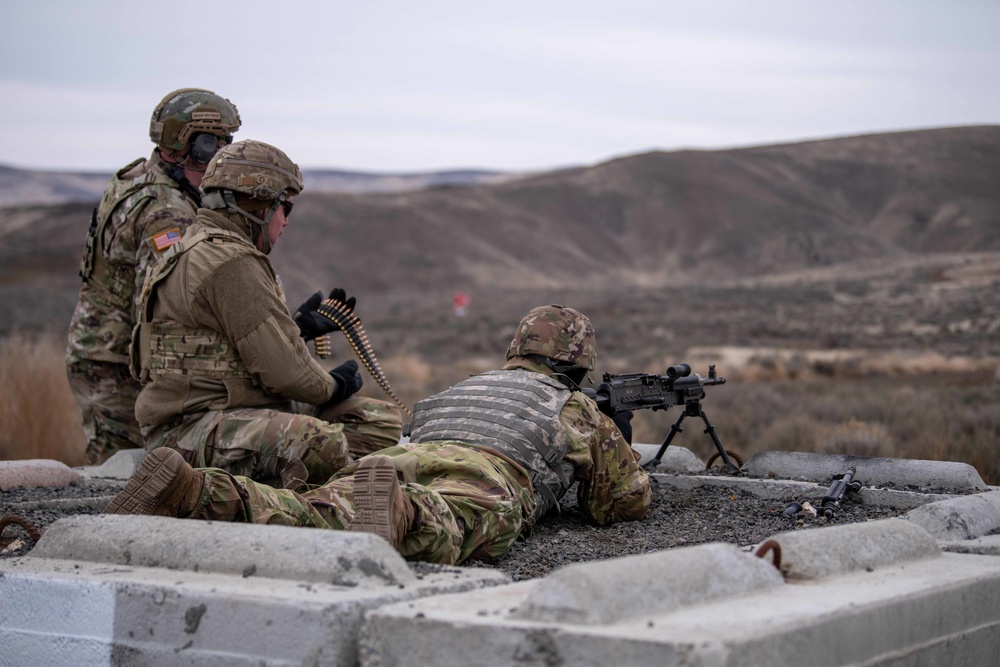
<point x="391" y="85"/>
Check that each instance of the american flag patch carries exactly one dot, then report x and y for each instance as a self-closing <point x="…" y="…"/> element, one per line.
<point x="167" y="238"/>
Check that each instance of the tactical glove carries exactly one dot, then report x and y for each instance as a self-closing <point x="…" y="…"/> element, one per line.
<point x="312" y="324"/>
<point x="348" y="381"/>
<point x="623" y="420"/>
<point x="337" y="294"/>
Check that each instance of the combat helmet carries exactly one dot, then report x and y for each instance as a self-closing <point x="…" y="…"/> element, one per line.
<point x="558" y="333"/>
<point x="189" y="111"/>
<point x="257" y="171"/>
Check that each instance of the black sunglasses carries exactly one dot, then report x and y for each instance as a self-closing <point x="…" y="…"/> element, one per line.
<point x="287" y="207"/>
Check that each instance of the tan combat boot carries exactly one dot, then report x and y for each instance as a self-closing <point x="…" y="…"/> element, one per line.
<point x="163" y="485"/>
<point x="381" y="505"/>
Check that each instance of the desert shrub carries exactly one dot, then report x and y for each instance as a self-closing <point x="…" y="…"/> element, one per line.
<point x="38" y="415"/>
<point x="857" y="438"/>
<point x="949" y="417"/>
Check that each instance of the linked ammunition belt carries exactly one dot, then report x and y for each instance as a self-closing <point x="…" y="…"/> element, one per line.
<point x="355" y="334"/>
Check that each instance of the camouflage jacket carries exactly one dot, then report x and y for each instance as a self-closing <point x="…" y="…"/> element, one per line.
<point x="142" y="212"/>
<point x="214" y="331"/>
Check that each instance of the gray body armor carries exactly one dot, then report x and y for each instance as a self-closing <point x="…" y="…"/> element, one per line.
<point x="515" y="413"/>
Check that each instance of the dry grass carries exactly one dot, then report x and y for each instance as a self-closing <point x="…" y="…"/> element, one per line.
<point x="38" y="416"/>
<point x="947" y="417"/>
<point x="949" y="414"/>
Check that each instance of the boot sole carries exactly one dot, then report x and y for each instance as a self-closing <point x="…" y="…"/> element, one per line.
<point x="374" y="488"/>
<point x="153" y="479"/>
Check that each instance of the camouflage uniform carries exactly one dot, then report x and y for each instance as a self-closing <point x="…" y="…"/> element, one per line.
<point x="471" y="501"/>
<point x="142" y="212"/>
<point x="221" y="361"/>
<point x="145" y="208"/>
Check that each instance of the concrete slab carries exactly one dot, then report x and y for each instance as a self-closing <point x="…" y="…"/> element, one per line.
<point x="789" y="490"/>
<point x="34" y="473"/>
<point x="871" y="471"/>
<point x="988" y="545"/>
<point x="74" y="602"/>
<point x="816" y="554"/>
<point x="121" y="465"/>
<point x="602" y="592"/>
<point x="279" y="552"/>
<point x="938" y="610"/>
<point x="961" y="518"/>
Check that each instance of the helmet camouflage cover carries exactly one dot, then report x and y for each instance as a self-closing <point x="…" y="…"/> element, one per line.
<point x="253" y="168"/>
<point x="556" y="332"/>
<point x="187" y="111"/>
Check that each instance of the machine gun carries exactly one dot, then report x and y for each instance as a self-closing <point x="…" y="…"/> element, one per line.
<point x="638" y="391"/>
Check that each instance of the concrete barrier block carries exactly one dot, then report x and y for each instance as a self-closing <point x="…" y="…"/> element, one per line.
<point x="121" y="465"/>
<point x="961" y="518"/>
<point x="606" y="591"/>
<point x="935" y="611"/>
<point x="279" y="552"/>
<point x="816" y="554"/>
<point x="871" y="471"/>
<point x="988" y="545"/>
<point x="675" y="459"/>
<point x="33" y="473"/>
<point x="64" y="612"/>
<point x="789" y="490"/>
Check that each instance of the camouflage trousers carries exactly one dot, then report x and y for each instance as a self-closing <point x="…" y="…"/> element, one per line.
<point x="281" y="448"/>
<point x="469" y="503"/>
<point x="106" y="393"/>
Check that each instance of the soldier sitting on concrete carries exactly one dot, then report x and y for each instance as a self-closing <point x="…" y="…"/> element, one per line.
<point x="486" y="459"/>
<point x="220" y="358"/>
<point x="145" y="209"/>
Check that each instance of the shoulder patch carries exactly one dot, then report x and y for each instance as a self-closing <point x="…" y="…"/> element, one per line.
<point x="166" y="239"/>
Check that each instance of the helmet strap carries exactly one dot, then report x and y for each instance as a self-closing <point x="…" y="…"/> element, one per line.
<point x="258" y="229"/>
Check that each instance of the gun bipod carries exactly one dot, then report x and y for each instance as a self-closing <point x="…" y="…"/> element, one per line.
<point x="694" y="409"/>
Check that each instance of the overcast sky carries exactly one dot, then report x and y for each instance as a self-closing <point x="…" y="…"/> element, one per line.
<point x="425" y="85"/>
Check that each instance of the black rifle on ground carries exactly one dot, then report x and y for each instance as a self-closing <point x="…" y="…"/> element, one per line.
<point x="639" y="391"/>
<point x="842" y="484"/>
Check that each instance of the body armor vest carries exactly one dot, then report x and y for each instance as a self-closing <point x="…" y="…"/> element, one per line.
<point x="515" y="413"/>
<point x="124" y="199"/>
<point x="169" y="347"/>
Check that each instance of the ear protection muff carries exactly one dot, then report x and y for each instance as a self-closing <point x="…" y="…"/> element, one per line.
<point x="203" y="147"/>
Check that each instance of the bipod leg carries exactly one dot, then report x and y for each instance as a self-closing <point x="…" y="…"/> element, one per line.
<point x="653" y="463"/>
<point x="727" y="465"/>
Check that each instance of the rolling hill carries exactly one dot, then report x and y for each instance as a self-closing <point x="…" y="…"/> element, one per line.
<point x="649" y="221"/>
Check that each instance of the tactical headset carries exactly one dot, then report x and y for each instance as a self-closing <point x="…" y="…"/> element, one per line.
<point x="203" y="147"/>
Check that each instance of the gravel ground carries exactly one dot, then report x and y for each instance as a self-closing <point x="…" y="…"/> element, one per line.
<point x="43" y="506"/>
<point x="677" y="518"/>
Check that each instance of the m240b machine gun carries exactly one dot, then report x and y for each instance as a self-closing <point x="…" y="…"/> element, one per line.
<point x="678" y="386"/>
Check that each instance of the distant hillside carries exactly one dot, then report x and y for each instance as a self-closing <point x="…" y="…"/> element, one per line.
<point x="20" y="187"/>
<point x="668" y="218"/>
<point x="653" y="220"/>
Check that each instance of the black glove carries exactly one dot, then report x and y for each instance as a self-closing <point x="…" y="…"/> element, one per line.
<point x="312" y="324"/>
<point x="348" y="381"/>
<point x="623" y="420"/>
<point x="337" y="294"/>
